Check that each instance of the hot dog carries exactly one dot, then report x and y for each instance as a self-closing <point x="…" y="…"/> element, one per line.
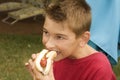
<point x="44" y="61"/>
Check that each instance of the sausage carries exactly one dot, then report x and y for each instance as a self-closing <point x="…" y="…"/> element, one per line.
<point x="44" y="61"/>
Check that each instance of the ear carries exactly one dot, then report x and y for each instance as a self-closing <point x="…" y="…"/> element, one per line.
<point x="84" y="38"/>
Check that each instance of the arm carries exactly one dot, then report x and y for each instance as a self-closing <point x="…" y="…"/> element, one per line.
<point x="104" y="74"/>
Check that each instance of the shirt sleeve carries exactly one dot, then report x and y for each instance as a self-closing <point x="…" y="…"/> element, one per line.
<point x="104" y="74"/>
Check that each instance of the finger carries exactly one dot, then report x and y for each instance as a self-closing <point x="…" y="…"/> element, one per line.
<point x="32" y="67"/>
<point x="37" y="74"/>
<point x="51" y="74"/>
<point x="34" y="56"/>
<point x="28" y="66"/>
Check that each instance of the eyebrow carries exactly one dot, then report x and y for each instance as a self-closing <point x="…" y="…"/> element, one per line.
<point x="57" y="33"/>
<point x="44" y="29"/>
<point x="63" y="35"/>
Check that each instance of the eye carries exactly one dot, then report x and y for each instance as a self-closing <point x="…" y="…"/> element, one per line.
<point x="60" y="37"/>
<point x="45" y="32"/>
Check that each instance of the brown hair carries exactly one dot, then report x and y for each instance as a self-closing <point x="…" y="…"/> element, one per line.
<point x="76" y="13"/>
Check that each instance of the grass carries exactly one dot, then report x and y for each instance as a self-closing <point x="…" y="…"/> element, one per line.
<point x="116" y="69"/>
<point x="15" y="50"/>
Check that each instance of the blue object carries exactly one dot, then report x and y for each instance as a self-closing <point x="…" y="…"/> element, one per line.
<point x="105" y="28"/>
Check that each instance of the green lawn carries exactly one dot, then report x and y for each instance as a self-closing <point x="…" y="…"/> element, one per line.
<point x="15" y="50"/>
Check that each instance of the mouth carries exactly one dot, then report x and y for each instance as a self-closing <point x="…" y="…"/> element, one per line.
<point x="58" y="52"/>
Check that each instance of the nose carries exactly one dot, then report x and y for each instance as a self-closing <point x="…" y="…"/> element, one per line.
<point x="50" y="44"/>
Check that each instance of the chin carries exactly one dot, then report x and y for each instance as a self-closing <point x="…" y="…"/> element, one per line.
<point x="58" y="58"/>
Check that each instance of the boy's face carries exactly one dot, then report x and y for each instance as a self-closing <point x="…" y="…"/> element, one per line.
<point x="58" y="37"/>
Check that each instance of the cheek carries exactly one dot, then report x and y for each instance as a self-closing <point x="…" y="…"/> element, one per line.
<point x="65" y="50"/>
<point x="70" y="47"/>
<point x="44" y="40"/>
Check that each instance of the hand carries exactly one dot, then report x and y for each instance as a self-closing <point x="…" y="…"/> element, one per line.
<point x="30" y="65"/>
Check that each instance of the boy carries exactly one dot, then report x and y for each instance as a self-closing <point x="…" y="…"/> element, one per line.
<point x="66" y="31"/>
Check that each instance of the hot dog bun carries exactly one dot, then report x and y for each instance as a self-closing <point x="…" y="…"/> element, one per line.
<point x="50" y="55"/>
